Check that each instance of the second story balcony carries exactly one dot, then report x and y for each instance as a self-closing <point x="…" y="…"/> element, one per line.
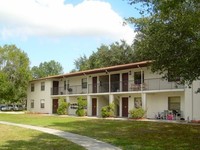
<point x="119" y="86"/>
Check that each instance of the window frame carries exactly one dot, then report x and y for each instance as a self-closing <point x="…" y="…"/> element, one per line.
<point x="138" y="74"/>
<point x="171" y="104"/>
<point x="32" y="104"/>
<point x="32" y="87"/>
<point x="42" y="103"/>
<point x="84" y="83"/>
<point x="42" y="86"/>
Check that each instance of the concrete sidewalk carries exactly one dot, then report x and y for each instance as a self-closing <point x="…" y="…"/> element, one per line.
<point x="88" y="143"/>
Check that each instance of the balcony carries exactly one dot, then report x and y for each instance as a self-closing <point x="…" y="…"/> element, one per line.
<point x="126" y="86"/>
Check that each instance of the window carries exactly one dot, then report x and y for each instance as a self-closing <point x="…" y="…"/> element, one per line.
<point x="42" y="103"/>
<point x="84" y="83"/>
<point x="32" y="87"/>
<point x="42" y="86"/>
<point x="65" y="85"/>
<point x="32" y="103"/>
<point x="138" y="102"/>
<point x="174" y="103"/>
<point x="138" y="78"/>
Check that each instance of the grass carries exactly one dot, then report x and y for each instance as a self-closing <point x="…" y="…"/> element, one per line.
<point x="124" y="134"/>
<point x="22" y="139"/>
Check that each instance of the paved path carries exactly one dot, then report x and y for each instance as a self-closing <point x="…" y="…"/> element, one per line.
<point x="88" y="143"/>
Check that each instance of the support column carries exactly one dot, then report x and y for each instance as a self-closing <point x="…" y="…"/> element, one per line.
<point x="144" y="101"/>
<point x="111" y="98"/>
<point x="89" y="105"/>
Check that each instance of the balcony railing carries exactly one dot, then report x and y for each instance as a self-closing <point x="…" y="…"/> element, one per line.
<point x="125" y="86"/>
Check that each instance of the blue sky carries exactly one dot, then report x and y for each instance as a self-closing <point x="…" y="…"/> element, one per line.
<point x="63" y="30"/>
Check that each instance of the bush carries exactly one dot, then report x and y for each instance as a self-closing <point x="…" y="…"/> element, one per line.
<point x="107" y="111"/>
<point x="82" y="104"/>
<point x="63" y="107"/>
<point x="137" y="113"/>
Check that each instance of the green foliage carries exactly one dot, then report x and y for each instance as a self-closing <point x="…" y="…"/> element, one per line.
<point x="114" y="54"/>
<point x="108" y="111"/>
<point x="169" y="35"/>
<point x="14" y="74"/>
<point x="47" y="69"/>
<point x="82" y="104"/>
<point x="63" y="107"/>
<point x="137" y="113"/>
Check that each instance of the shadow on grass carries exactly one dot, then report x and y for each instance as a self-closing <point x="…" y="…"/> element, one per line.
<point x="134" y="134"/>
<point x="41" y="141"/>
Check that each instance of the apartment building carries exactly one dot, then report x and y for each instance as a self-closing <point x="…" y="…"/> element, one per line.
<point x="129" y="86"/>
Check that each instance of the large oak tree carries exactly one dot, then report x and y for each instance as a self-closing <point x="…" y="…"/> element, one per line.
<point x="169" y="34"/>
<point x="14" y="74"/>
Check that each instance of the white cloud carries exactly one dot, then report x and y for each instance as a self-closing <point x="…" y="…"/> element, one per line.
<point x="54" y="18"/>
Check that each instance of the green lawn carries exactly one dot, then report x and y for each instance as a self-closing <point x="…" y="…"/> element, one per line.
<point x="125" y="134"/>
<point x="15" y="138"/>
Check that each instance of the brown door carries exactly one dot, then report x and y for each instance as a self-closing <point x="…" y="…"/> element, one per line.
<point x="55" y="87"/>
<point x="125" y="82"/>
<point x="94" y="85"/>
<point x="125" y="107"/>
<point x="55" y="106"/>
<point x="94" y="106"/>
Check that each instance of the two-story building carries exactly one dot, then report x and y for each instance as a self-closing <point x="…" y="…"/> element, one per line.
<point x="129" y="86"/>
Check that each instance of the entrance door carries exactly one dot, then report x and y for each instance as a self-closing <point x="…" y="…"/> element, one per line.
<point x="55" y="87"/>
<point x="94" y="85"/>
<point x="55" y="106"/>
<point x="94" y="106"/>
<point x="125" y="82"/>
<point x="125" y="107"/>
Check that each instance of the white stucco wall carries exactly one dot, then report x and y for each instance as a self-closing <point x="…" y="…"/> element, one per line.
<point x="38" y="95"/>
<point x="192" y="102"/>
<point x="158" y="102"/>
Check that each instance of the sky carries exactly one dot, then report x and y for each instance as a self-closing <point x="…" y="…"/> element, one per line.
<point x="64" y="30"/>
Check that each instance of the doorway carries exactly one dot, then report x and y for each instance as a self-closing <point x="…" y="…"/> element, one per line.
<point x="55" y="106"/>
<point x="94" y="107"/>
<point x="125" y="107"/>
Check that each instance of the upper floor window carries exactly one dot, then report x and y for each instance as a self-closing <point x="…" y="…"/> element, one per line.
<point x="42" y="103"/>
<point x="65" y="85"/>
<point x="32" y="87"/>
<point x="138" y="77"/>
<point x="32" y="103"/>
<point x="84" y="83"/>
<point x="42" y="86"/>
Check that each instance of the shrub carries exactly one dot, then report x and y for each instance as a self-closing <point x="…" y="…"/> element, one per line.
<point x="108" y="111"/>
<point x="82" y="104"/>
<point x="63" y="107"/>
<point x="137" y="113"/>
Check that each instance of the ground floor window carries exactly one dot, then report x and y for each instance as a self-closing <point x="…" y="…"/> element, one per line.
<point x="174" y="103"/>
<point x="32" y="103"/>
<point x="42" y="103"/>
<point x="138" y="102"/>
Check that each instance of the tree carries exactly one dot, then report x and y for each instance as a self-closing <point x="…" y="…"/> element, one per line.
<point x="14" y="73"/>
<point x="47" y="69"/>
<point x="114" y="54"/>
<point x="170" y="36"/>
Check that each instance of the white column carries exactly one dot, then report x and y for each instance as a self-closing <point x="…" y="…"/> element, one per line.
<point x="144" y="101"/>
<point x="89" y="105"/>
<point x="111" y="98"/>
